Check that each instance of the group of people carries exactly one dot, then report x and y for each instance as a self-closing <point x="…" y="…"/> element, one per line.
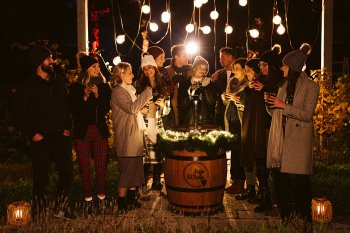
<point x="267" y="101"/>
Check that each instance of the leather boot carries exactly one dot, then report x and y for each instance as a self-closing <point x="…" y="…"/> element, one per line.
<point x="236" y="187"/>
<point x="131" y="200"/>
<point x="122" y="205"/>
<point x="249" y="192"/>
<point x="157" y="170"/>
<point x="265" y="202"/>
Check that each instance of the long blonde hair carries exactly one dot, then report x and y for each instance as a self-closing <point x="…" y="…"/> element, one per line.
<point x="117" y="71"/>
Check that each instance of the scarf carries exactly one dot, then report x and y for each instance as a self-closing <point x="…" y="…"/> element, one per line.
<point x="132" y="92"/>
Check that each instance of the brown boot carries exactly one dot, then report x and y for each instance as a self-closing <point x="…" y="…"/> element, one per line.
<point x="236" y="187"/>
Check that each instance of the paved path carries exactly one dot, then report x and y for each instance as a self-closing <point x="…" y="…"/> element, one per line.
<point x="154" y="216"/>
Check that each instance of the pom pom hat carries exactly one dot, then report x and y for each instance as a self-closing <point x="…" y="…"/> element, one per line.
<point x="155" y="51"/>
<point x="254" y="65"/>
<point x="86" y="62"/>
<point x="148" y="60"/>
<point x="296" y="59"/>
<point x="272" y="57"/>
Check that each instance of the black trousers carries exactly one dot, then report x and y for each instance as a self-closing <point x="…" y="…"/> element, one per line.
<point x="59" y="150"/>
<point x="236" y="170"/>
<point x="293" y="194"/>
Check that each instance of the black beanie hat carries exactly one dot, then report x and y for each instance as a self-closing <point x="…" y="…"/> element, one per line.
<point x="86" y="62"/>
<point x="254" y="65"/>
<point x="155" y="51"/>
<point x="272" y="57"/>
<point x="296" y="59"/>
<point x="38" y="54"/>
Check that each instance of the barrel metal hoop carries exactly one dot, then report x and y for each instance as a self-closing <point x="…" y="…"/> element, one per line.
<point x="192" y="190"/>
<point x="196" y="158"/>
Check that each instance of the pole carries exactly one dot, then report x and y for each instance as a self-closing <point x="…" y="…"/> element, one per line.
<point x="327" y="35"/>
<point x="82" y="25"/>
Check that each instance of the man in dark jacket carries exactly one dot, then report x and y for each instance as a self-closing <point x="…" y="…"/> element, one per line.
<point x="41" y="112"/>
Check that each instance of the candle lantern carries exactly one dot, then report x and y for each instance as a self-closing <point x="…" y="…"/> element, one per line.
<point x="321" y="210"/>
<point x="19" y="213"/>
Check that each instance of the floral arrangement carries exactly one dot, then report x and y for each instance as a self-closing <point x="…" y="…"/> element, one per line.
<point x="210" y="142"/>
<point x="332" y="114"/>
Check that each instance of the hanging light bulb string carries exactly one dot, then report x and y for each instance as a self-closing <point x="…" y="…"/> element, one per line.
<point x="166" y="32"/>
<point x="248" y="27"/>
<point x="274" y="13"/>
<point x="215" y="63"/>
<point x="168" y="8"/>
<point x="227" y="11"/>
<point x="286" y="8"/>
<point x="192" y="22"/>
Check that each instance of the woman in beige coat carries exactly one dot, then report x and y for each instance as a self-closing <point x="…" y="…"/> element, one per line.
<point x="128" y="127"/>
<point x="289" y="151"/>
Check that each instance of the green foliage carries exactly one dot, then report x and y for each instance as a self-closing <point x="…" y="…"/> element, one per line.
<point x="333" y="182"/>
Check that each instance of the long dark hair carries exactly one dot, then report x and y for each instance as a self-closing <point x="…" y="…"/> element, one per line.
<point x="143" y="82"/>
<point x="292" y="78"/>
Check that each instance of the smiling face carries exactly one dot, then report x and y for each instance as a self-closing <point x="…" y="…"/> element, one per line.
<point x="149" y="71"/>
<point x="160" y="60"/>
<point x="226" y="60"/>
<point x="264" y="67"/>
<point x="127" y="76"/>
<point x="238" y="71"/>
<point x="94" y="70"/>
<point x="200" y="71"/>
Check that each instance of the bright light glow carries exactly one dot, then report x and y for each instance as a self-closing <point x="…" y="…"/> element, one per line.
<point x="277" y="19"/>
<point x="197" y="3"/>
<point x="214" y="15"/>
<point x="254" y="33"/>
<point x="281" y="29"/>
<point x="146" y="9"/>
<point x="242" y="2"/>
<point x="120" y="39"/>
<point x="165" y="17"/>
<point x="206" y="29"/>
<point x="189" y="28"/>
<point x="116" y="60"/>
<point x="153" y="27"/>
<point x="191" y="48"/>
<point x="228" y="29"/>
<point x="204" y="1"/>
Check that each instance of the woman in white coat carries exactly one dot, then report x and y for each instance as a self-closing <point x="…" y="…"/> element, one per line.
<point x="289" y="151"/>
<point x="128" y="127"/>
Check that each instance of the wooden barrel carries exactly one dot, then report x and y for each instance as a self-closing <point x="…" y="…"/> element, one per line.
<point x="195" y="182"/>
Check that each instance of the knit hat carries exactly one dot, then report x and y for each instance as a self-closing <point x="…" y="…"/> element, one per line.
<point x="148" y="60"/>
<point x="199" y="61"/>
<point x="254" y="65"/>
<point x="86" y="62"/>
<point x="296" y="59"/>
<point x="272" y="57"/>
<point x="155" y="51"/>
<point x="38" y="54"/>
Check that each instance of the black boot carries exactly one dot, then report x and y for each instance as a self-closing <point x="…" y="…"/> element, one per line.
<point x="157" y="170"/>
<point x="122" y="205"/>
<point x="131" y="200"/>
<point x="265" y="202"/>
<point x="249" y="192"/>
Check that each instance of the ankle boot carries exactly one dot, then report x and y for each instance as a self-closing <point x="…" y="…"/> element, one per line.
<point x="265" y="202"/>
<point x="131" y="200"/>
<point x="236" y="188"/>
<point x="249" y="192"/>
<point x="122" y="205"/>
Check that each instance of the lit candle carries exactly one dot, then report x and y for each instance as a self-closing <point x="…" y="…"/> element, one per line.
<point x="19" y="214"/>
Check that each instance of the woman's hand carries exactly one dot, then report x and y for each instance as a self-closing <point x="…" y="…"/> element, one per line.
<point x="257" y="85"/>
<point x="144" y="111"/>
<point x="149" y="89"/>
<point x="94" y="89"/>
<point x="87" y="91"/>
<point x="160" y="102"/>
<point x="274" y="102"/>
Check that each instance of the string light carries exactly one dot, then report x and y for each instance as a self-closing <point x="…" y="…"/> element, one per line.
<point x="242" y="2"/>
<point x="191" y="47"/>
<point x="281" y="29"/>
<point x="277" y="19"/>
<point x="165" y="17"/>
<point x="204" y="1"/>
<point x="228" y="29"/>
<point x="254" y="33"/>
<point x="206" y="29"/>
<point x="189" y="28"/>
<point x="197" y="3"/>
<point x="153" y="27"/>
<point x="117" y="60"/>
<point x="145" y="9"/>
<point x="120" y="39"/>
<point x="214" y="15"/>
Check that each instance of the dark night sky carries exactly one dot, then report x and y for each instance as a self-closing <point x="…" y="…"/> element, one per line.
<point x="27" y="21"/>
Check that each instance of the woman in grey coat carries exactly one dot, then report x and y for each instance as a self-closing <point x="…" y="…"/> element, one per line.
<point x="128" y="127"/>
<point x="290" y="141"/>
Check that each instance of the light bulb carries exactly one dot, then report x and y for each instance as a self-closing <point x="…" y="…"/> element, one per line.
<point x="228" y="29"/>
<point x="189" y="28"/>
<point x="254" y="33"/>
<point x="116" y="60"/>
<point x="191" y="47"/>
<point x="281" y="29"/>
<point x="153" y="27"/>
<point x="214" y="15"/>
<point x="206" y="29"/>
<point x="146" y="9"/>
<point x="120" y="39"/>
<point x="276" y="19"/>
<point x="197" y="3"/>
<point x="204" y="1"/>
<point x="242" y="2"/>
<point x="165" y="17"/>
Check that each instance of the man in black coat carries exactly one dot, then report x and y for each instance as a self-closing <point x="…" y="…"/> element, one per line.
<point x="220" y="77"/>
<point x="40" y="111"/>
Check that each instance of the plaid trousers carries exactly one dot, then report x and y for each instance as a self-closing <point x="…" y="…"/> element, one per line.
<point x="92" y="143"/>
